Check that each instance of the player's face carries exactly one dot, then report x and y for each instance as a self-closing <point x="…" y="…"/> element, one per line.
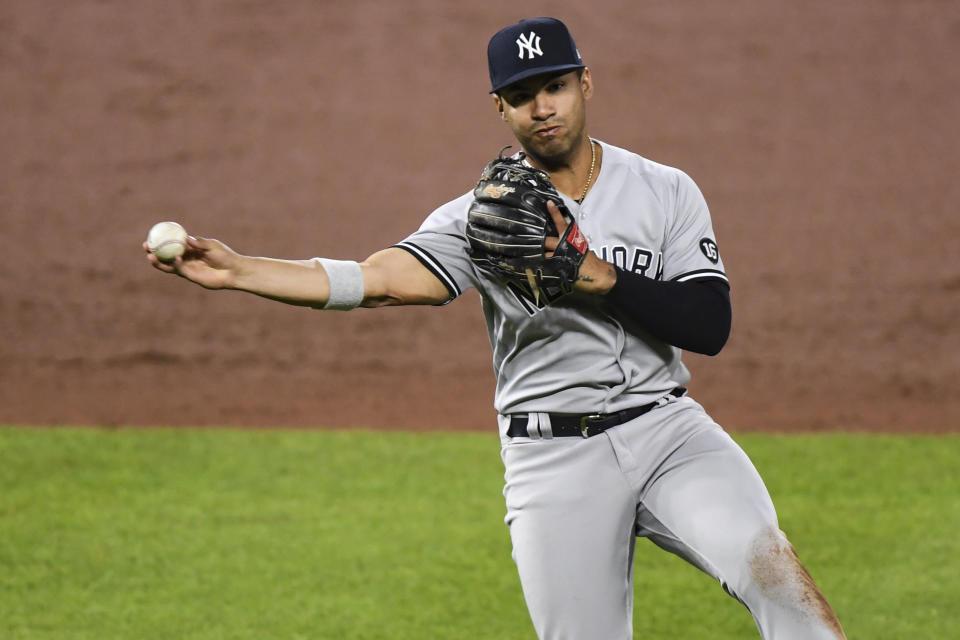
<point x="547" y="114"/>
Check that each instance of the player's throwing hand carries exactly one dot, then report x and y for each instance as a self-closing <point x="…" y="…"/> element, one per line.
<point x="209" y="263"/>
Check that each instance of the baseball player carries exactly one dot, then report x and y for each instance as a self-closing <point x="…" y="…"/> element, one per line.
<point x="596" y="268"/>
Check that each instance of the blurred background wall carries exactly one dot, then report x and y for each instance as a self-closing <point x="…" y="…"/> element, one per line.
<point x="823" y="134"/>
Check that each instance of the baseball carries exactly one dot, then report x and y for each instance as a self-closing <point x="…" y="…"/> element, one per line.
<point x="167" y="240"/>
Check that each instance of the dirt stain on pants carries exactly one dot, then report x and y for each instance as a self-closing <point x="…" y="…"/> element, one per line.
<point x="777" y="571"/>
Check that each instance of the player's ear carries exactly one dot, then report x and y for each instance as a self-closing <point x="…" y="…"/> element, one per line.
<point x="497" y="101"/>
<point x="586" y="83"/>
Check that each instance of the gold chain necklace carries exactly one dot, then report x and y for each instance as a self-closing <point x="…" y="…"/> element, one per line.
<point x="593" y="164"/>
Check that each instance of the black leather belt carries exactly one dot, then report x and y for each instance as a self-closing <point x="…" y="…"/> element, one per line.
<point x="565" y="425"/>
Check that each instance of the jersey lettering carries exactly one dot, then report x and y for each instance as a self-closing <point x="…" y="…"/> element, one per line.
<point x="640" y="264"/>
<point x="619" y="257"/>
<point x="530" y="303"/>
<point x="641" y="261"/>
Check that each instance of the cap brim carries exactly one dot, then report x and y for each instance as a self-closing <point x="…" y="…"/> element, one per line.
<point x="539" y="71"/>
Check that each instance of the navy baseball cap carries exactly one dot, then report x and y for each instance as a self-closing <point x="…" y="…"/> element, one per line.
<point x="529" y="48"/>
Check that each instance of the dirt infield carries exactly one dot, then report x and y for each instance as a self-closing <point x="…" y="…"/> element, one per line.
<point x="823" y="134"/>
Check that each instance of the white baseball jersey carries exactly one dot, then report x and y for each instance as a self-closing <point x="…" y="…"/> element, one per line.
<point x="569" y="354"/>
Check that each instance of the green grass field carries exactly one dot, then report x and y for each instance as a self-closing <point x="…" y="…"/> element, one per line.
<point x="213" y="534"/>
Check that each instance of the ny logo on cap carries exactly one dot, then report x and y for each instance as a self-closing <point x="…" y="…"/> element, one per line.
<point x="529" y="43"/>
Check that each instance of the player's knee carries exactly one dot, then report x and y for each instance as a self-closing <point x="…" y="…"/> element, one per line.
<point x="777" y="575"/>
<point x="772" y="561"/>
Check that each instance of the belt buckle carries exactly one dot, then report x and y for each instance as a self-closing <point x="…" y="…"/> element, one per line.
<point x="584" y="427"/>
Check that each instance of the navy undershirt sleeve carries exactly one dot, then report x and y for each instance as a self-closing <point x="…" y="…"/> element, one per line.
<point x="694" y="315"/>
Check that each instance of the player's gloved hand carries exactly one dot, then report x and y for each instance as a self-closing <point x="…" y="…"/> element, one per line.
<point x="509" y="224"/>
<point x="595" y="276"/>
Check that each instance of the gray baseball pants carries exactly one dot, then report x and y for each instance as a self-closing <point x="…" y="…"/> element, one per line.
<point x="576" y="506"/>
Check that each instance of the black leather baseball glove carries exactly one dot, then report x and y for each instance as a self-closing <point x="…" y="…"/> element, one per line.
<point x="509" y="222"/>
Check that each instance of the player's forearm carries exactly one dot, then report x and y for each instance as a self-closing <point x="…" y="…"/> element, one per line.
<point x="695" y="316"/>
<point x="296" y="282"/>
<point x="387" y="278"/>
<point x="307" y="283"/>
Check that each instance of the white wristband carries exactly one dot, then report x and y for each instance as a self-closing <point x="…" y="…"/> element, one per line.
<point x="346" y="283"/>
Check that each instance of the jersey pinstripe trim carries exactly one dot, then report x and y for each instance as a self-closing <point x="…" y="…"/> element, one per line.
<point x="434" y="266"/>
<point x="702" y="274"/>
